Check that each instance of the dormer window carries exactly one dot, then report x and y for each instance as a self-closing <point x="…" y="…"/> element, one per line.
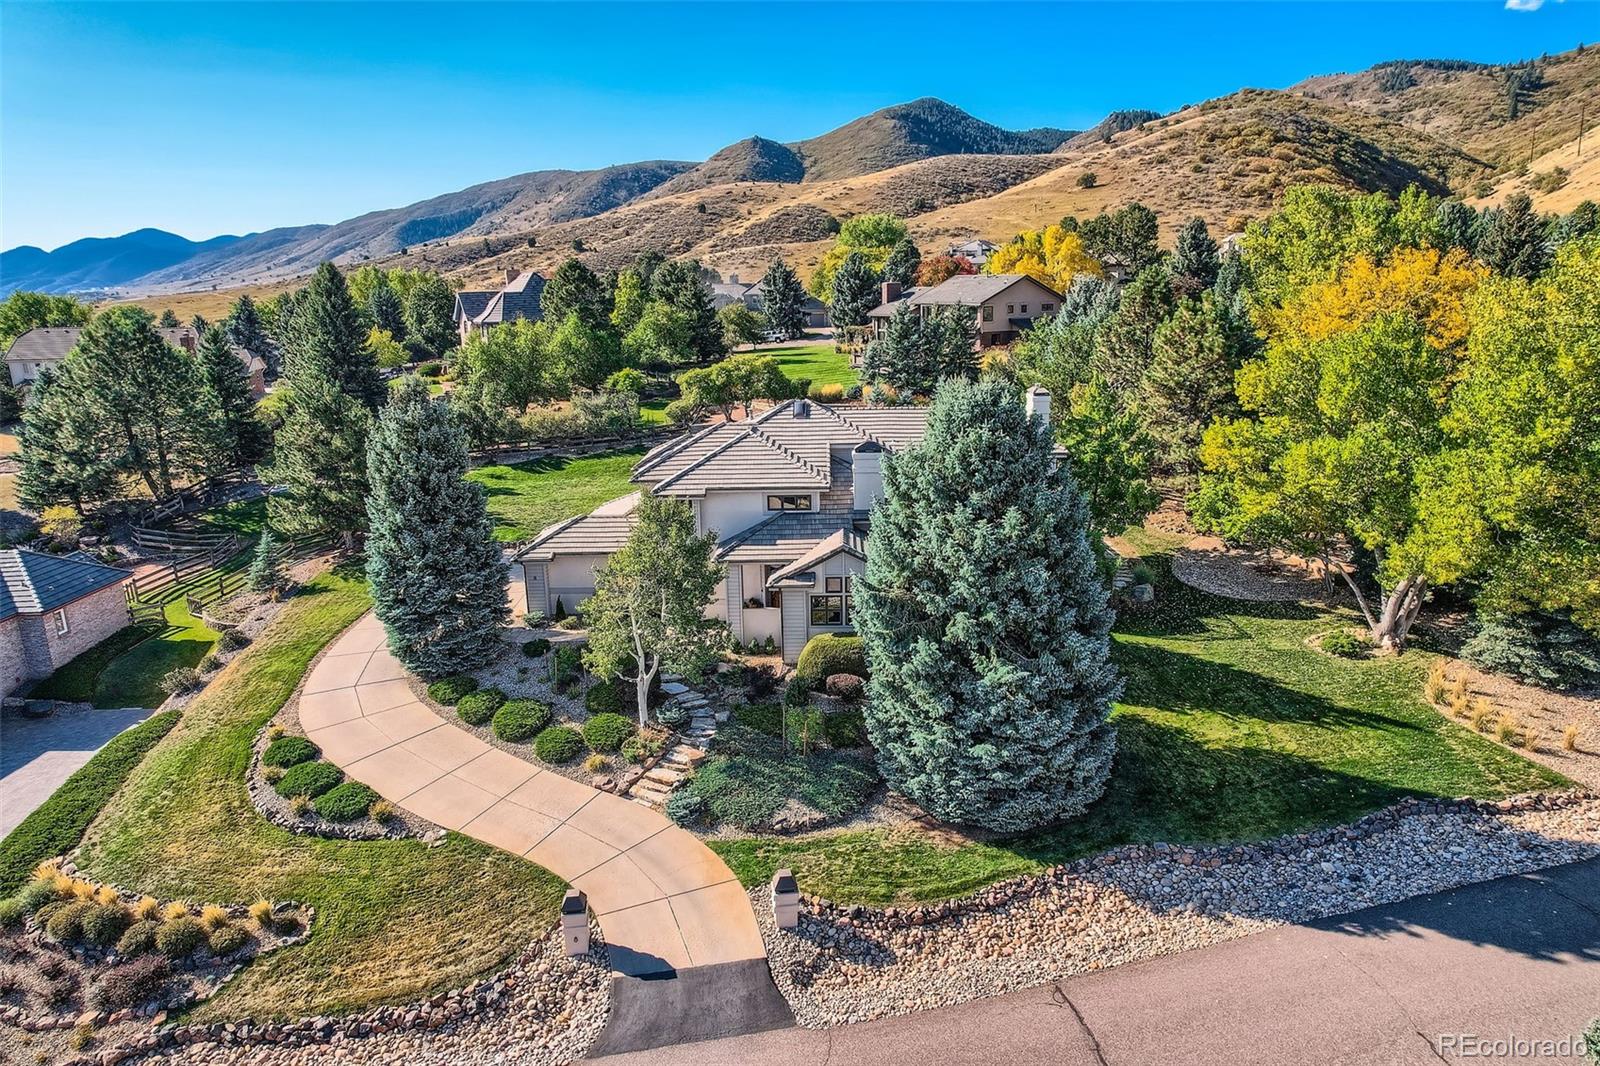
<point x="789" y="503"/>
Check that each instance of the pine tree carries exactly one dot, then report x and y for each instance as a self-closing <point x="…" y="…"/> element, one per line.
<point x="429" y="315"/>
<point x="241" y="438"/>
<point x="61" y="461"/>
<point x="266" y="566"/>
<point x="326" y="341"/>
<point x="1123" y="342"/>
<point x="387" y="313"/>
<point x="1513" y="239"/>
<point x="1455" y="225"/>
<point x="437" y="574"/>
<point x="245" y="328"/>
<point x="169" y="320"/>
<point x="985" y="619"/>
<point x="1189" y="381"/>
<point x="1194" y="260"/>
<point x="855" y="291"/>
<point x="575" y="288"/>
<point x="783" y="300"/>
<point x="915" y="352"/>
<point x="681" y="285"/>
<point x="903" y="263"/>
<point x="320" y="463"/>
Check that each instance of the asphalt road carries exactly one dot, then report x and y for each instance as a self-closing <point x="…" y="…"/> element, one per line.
<point x="1394" y="985"/>
<point x="38" y="754"/>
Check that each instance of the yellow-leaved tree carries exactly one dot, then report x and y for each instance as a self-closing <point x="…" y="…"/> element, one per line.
<point x="1051" y="256"/>
<point x="1431" y="286"/>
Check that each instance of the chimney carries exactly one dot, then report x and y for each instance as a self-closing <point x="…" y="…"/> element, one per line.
<point x="866" y="475"/>
<point x="186" y="340"/>
<point x="891" y="292"/>
<point x="1039" y="403"/>
<point x="511" y="274"/>
<point x="733" y="279"/>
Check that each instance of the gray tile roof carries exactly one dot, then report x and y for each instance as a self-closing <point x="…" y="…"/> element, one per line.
<point x="845" y="540"/>
<point x="36" y="583"/>
<point x="789" y="446"/>
<point x="600" y="532"/>
<point x="888" y="309"/>
<point x="786" y="536"/>
<point x="970" y="290"/>
<point x="521" y="298"/>
<point x="47" y="343"/>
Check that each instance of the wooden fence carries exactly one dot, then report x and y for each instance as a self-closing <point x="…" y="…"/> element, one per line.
<point x="199" y="576"/>
<point x="225" y="488"/>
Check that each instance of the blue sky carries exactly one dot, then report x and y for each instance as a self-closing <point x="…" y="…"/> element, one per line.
<point x="206" y="119"/>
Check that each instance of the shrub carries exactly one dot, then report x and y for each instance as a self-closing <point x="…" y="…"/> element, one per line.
<point x="36" y="894"/>
<point x="139" y="938"/>
<point x="1142" y="574"/>
<point x="632" y="750"/>
<point x="1088" y="179"/>
<point x="762" y="717"/>
<point x="261" y="913"/>
<point x="517" y="721"/>
<point x="66" y="924"/>
<point x="232" y="640"/>
<point x="845" y="729"/>
<point x="147" y="908"/>
<point x="827" y="654"/>
<point x="345" y="803"/>
<point x="228" y="939"/>
<point x="273" y="774"/>
<point x="476" y="708"/>
<point x="606" y="732"/>
<point x="104" y="924"/>
<point x="558" y="744"/>
<point x="844" y="686"/>
<point x="183" y="679"/>
<point x="174" y="910"/>
<point x="309" y="779"/>
<point x="214" y="917"/>
<point x="209" y="662"/>
<point x="769" y="647"/>
<point x="289" y="751"/>
<point x="12" y="913"/>
<point x="604" y="697"/>
<point x="537" y="647"/>
<point x="686" y="808"/>
<point x="1541" y="649"/>
<point x="1569" y="737"/>
<point x="1345" y="644"/>
<point x="448" y="691"/>
<point x="431" y="369"/>
<point x="129" y="984"/>
<point x="180" y="937"/>
<point x="299" y="805"/>
<point x="673" y="715"/>
<point x="1433" y="690"/>
<point x="569" y="665"/>
<point x="595" y="762"/>
<point x="831" y="393"/>
<point x="383" y="812"/>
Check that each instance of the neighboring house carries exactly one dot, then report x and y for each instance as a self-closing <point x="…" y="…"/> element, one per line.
<point x="734" y="291"/>
<point x="479" y="310"/>
<point x="816" y="312"/>
<point x="788" y="495"/>
<point x="47" y="346"/>
<point x="976" y="252"/>
<point x="1004" y="304"/>
<point x="53" y="607"/>
<point x="1230" y="243"/>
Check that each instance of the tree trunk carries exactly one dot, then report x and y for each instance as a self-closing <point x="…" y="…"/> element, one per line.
<point x="1397" y="610"/>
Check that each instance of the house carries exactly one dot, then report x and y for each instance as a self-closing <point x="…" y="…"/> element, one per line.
<point x="976" y="252"/>
<point x="788" y="495"/>
<point x="1005" y="304"/>
<point x="815" y="311"/>
<point x="47" y="346"/>
<point x="53" y="607"/>
<point x="734" y="291"/>
<point x="479" y="310"/>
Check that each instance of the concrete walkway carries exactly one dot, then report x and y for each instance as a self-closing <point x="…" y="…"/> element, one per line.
<point x="664" y="900"/>
<point x="38" y="754"/>
<point x="1399" y="985"/>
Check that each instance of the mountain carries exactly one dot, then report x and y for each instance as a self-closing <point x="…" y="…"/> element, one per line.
<point x="1108" y="127"/>
<point x="97" y="263"/>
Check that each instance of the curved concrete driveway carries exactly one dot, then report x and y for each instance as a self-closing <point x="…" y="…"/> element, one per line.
<point x="664" y="900"/>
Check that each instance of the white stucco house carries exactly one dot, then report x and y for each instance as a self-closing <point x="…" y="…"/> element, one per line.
<point x="789" y="496"/>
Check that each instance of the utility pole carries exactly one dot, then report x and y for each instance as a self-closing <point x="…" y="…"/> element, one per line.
<point x="1582" y="104"/>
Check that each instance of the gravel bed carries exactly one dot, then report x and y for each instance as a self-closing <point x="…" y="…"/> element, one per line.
<point x="849" y="964"/>
<point x="1207" y="564"/>
<point x="545" y="1010"/>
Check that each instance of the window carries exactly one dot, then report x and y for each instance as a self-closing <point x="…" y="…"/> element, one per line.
<point x="1046" y="308"/>
<point x="1024" y="308"/>
<point x="988" y="312"/>
<point x="1011" y="309"/>
<point x="833" y="584"/>
<point x="827" y="610"/>
<point x="788" y="503"/>
<point x="61" y="622"/>
<point x="774" y="597"/>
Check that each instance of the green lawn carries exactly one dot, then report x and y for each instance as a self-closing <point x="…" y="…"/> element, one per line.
<point x="246" y="518"/>
<point x="817" y="362"/>
<point x="125" y="669"/>
<point x="395" y="919"/>
<point x="1230" y="729"/>
<point x="526" y="497"/>
<point x="653" y="412"/>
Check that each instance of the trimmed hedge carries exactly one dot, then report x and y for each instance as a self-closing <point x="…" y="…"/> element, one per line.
<point x="140" y="938"/>
<point x="476" y="708"/>
<point x="346" y="803"/>
<point x="449" y="690"/>
<point x="57" y="825"/>
<point x="558" y="744"/>
<point x="827" y="654"/>
<point x="518" y="720"/>
<point x="289" y="751"/>
<point x="606" y="732"/>
<point x="309" y="779"/>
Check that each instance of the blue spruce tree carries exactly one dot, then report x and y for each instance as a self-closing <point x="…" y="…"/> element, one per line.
<point x="986" y="623"/>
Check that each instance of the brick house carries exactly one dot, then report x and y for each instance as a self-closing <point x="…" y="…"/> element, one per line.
<point x="52" y="608"/>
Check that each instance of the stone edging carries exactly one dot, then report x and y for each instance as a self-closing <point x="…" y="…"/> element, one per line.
<point x="404" y="825"/>
<point x="480" y="997"/>
<point x="1213" y="857"/>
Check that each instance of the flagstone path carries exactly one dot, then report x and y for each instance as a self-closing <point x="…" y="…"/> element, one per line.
<point x="664" y="900"/>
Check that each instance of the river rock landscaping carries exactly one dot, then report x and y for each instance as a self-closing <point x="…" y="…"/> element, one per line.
<point x="299" y="811"/>
<point x="851" y="963"/>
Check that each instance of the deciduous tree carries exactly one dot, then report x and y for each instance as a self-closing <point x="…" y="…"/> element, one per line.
<point x="1051" y="256"/>
<point x="429" y="315"/>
